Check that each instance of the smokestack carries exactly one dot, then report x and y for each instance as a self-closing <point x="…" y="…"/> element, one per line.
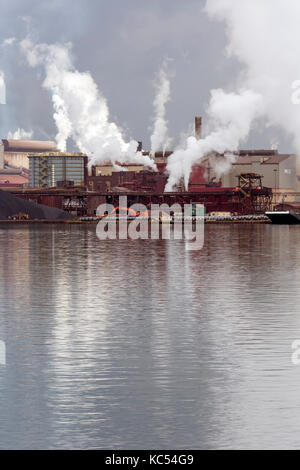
<point x="198" y="127"/>
<point x="140" y="146"/>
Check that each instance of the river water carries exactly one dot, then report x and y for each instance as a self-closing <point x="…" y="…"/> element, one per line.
<point x="142" y="344"/>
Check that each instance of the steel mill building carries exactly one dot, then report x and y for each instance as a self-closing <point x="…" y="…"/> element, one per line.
<point x="256" y="181"/>
<point x="57" y="169"/>
<point x="281" y="172"/>
<point x="15" y="152"/>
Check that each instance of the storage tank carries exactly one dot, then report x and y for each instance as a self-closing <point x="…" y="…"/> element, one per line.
<point x="15" y="152"/>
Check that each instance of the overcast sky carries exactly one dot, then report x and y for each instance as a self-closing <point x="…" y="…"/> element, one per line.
<point x="122" y="43"/>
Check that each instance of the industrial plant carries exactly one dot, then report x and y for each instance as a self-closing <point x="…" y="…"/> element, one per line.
<point x="257" y="181"/>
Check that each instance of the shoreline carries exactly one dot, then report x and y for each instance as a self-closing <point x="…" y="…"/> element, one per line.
<point x="95" y="221"/>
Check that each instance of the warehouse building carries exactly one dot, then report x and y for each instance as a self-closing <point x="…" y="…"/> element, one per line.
<point x="13" y="178"/>
<point x="60" y="169"/>
<point x="281" y="172"/>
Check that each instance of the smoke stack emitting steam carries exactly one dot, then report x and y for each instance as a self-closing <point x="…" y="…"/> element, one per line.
<point x="159" y="138"/>
<point x="271" y="63"/>
<point x="80" y="111"/>
<point x="264" y="89"/>
<point x="231" y="115"/>
<point x="269" y="56"/>
<point x="198" y="127"/>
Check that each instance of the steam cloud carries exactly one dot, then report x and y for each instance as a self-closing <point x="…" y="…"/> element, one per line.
<point x="8" y="41"/>
<point x="20" y="134"/>
<point x="262" y="35"/>
<point x="80" y="111"/>
<point x="159" y="137"/>
<point x="2" y="89"/>
<point x="269" y="56"/>
<point x="231" y="115"/>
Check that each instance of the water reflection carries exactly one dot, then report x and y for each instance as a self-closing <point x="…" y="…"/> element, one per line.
<point x="142" y="344"/>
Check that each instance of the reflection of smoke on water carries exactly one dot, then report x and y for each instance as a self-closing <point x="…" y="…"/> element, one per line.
<point x="2" y="353"/>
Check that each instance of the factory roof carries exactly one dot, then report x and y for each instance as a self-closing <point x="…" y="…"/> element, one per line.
<point x="110" y="164"/>
<point x="13" y="180"/>
<point x="57" y="154"/>
<point x="274" y="159"/>
<point x="258" y="152"/>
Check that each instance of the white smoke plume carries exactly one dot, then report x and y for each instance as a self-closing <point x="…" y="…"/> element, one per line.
<point x="80" y="110"/>
<point x="119" y="168"/>
<point x="231" y="115"/>
<point x="20" y="134"/>
<point x="265" y="37"/>
<point x="159" y="138"/>
<point x="2" y="89"/>
<point x="8" y="42"/>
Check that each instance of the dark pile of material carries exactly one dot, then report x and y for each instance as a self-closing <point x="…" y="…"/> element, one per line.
<point x="11" y="205"/>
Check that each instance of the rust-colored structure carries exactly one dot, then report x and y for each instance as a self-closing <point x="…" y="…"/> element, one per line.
<point x="254" y="197"/>
<point x="145" y="181"/>
<point x="147" y="187"/>
<point x="123" y="181"/>
<point x="81" y="202"/>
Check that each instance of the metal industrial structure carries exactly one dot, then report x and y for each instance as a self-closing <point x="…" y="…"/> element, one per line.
<point x="61" y="180"/>
<point x="81" y="202"/>
<point x="254" y="198"/>
<point x="51" y="169"/>
<point x="281" y="172"/>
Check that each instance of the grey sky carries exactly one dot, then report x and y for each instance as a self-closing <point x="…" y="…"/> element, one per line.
<point x="122" y="43"/>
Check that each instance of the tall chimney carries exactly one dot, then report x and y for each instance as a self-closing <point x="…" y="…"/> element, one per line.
<point x="198" y="127"/>
<point x="140" y="146"/>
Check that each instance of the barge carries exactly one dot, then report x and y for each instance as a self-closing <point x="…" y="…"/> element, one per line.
<point x="284" y="217"/>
